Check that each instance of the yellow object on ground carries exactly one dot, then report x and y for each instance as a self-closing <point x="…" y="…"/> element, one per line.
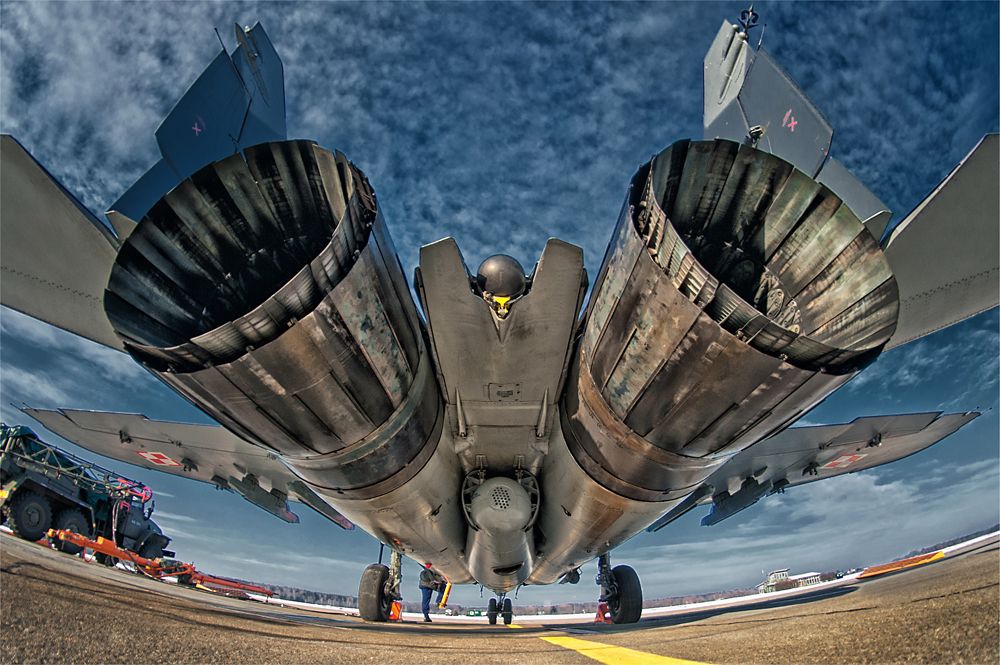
<point x="611" y="655"/>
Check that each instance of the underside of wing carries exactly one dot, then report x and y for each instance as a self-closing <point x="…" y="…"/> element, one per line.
<point x="805" y="454"/>
<point x="207" y="453"/>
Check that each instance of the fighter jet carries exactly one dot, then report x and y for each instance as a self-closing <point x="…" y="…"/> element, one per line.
<point x="499" y="427"/>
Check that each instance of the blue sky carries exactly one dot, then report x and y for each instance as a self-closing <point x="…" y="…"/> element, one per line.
<point x="504" y="124"/>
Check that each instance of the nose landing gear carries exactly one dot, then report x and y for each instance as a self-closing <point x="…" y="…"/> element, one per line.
<point x="620" y="589"/>
<point x="500" y="607"/>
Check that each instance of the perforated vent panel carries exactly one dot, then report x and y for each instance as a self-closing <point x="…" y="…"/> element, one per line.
<point x="501" y="498"/>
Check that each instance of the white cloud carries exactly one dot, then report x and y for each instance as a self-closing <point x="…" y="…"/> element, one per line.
<point x="171" y="517"/>
<point x="32" y="386"/>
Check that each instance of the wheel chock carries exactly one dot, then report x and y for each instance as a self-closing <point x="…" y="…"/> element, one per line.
<point x="602" y="614"/>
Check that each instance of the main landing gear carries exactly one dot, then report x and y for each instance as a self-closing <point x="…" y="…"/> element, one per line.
<point x="379" y="588"/>
<point x="500" y="607"/>
<point x="620" y="589"/>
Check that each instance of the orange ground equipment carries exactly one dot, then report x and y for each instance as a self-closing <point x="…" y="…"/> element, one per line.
<point x="901" y="564"/>
<point x="602" y="614"/>
<point x="157" y="568"/>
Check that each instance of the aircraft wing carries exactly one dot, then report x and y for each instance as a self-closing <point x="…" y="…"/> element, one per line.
<point x="806" y="454"/>
<point x="207" y="453"/>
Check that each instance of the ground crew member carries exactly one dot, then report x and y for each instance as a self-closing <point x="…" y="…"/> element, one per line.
<point x="430" y="582"/>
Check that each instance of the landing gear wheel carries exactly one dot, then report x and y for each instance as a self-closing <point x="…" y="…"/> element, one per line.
<point x="30" y="516"/>
<point x="72" y="520"/>
<point x="374" y="604"/>
<point x="626" y="605"/>
<point x="491" y="613"/>
<point x="508" y="611"/>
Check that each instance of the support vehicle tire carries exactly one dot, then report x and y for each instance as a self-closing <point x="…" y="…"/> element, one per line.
<point x="374" y="604"/>
<point x="72" y="520"/>
<point x="151" y="549"/>
<point x="30" y="516"/>
<point x="508" y="611"/>
<point x="105" y="559"/>
<point x="626" y="605"/>
<point x="491" y="613"/>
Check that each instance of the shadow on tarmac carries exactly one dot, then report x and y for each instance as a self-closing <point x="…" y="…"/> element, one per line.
<point x="578" y="628"/>
<point x="700" y="615"/>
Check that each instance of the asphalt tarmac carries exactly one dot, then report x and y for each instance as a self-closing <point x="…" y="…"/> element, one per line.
<point x="55" y="608"/>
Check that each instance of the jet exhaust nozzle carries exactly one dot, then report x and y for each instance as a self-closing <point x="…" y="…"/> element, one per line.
<point x="267" y="291"/>
<point x="736" y="292"/>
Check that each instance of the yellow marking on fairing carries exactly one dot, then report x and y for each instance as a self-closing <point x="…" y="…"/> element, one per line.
<point x="611" y="655"/>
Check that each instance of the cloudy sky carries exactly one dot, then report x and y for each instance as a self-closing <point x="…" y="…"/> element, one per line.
<point x="503" y="125"/>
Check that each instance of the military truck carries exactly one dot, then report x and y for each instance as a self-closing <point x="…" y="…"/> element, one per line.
<point x="43" y="487"/>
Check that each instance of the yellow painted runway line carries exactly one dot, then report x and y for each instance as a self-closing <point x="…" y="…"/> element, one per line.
<point x="610" y="655"/>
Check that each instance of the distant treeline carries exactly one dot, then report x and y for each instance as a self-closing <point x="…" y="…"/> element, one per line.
<point x="949" y="543"/>
<point x="338" y="600"/>
<point x="306" y="596"/>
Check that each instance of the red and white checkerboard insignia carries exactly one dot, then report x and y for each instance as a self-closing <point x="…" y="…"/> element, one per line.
<point x="843" y="461"/>
<point x="157" y="458"/>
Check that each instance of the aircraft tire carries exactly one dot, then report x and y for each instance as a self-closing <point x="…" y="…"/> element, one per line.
<point x="491" y="613"/>
<point x="30" y="516"/>
<point x="373" y="602"/>
<point x="626" y="606"/>
<point x="508" y="611"/>
<point x="72" y="520"/>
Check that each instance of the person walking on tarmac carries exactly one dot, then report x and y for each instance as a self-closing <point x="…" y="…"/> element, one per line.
<point x="430" y="582"/>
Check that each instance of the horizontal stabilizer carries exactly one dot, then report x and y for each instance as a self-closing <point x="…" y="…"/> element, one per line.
<point x="56" y="256"/>
<point x="946" y="253"/>
<point x="208" y="453"/>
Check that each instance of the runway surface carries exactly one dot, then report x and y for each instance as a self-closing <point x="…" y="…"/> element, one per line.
<point x="57" y="609"/>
